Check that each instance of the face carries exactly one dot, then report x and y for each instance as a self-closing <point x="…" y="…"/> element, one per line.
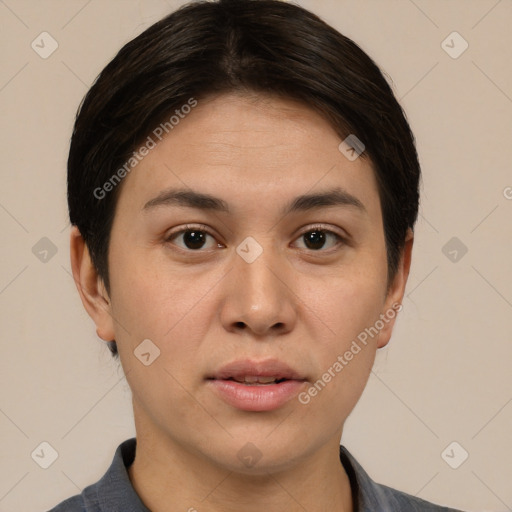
<point x="258" y="281"/>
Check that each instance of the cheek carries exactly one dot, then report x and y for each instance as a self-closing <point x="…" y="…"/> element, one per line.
<point x="344" y="361"/>
<point x="174" y="310"/>
<point x="165" y="308"/>
<point x="154" y="300"/>
<point x="347" y="302"/>
<point x="348" y="309"/>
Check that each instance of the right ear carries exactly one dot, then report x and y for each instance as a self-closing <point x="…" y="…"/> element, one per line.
<point x="91" y="287"/>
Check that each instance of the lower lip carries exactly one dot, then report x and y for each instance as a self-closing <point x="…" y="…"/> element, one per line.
<point x="263" y="397"/>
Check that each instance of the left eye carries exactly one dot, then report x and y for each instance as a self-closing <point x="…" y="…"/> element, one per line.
<point x="316" y="238"/>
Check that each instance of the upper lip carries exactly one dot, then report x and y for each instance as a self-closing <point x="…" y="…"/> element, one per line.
<point x="249" y="368"/>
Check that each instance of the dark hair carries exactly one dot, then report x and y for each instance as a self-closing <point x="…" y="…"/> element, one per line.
<point x="262" y="46"/>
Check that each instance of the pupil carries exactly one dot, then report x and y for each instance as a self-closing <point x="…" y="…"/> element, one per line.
<point x="315" y="239"/>
<point x="193" y="239"/>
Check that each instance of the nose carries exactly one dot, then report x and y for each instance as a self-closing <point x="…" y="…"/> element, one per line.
<point x="258" y="296"/>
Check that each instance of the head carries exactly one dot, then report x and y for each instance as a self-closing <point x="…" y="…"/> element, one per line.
<point x="216" y="134"/>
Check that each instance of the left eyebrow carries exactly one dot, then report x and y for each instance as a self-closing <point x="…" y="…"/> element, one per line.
<point x="333" y="197"/>
<point x="201" y="201"/>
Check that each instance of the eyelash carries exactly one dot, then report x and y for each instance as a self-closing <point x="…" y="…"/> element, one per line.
<point x="204" y="229"/>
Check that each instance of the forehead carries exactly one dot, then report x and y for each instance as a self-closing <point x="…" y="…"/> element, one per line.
<point x="250" y="150"/>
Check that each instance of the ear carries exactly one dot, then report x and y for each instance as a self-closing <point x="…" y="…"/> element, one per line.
<point x="91" y="287"/>
<point x="395" y="294"/>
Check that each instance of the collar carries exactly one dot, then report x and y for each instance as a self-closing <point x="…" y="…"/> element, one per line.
<point x="115" y="492"/>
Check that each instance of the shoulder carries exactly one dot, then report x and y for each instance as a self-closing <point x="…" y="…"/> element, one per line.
<point x="374" y="496"/>
<point x="87" y="501"/>
<point x="112" y="492"/>
<point x="398" y="501"/>
<point x="73" y="504"/>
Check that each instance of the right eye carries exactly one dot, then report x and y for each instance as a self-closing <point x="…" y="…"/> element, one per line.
<point x="193" y="238"/>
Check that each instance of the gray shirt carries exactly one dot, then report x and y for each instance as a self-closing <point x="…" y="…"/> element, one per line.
<point x="115" y="493"/>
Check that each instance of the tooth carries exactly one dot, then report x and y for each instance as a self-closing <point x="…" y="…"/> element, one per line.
<point x="266" y="380"/>
<point x="251" y="379"/>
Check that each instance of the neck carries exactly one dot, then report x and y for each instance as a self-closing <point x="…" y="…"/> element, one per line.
<point x="168" y="477"/>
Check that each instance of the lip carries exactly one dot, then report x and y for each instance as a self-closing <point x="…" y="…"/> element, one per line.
<point x="256" y="397"/>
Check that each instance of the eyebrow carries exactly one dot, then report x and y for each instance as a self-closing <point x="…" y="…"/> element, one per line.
<point x="192" y="199"/>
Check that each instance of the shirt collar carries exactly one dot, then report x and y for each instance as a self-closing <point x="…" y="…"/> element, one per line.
<point x="367" y="495"/>
<point x="115" y="491"/>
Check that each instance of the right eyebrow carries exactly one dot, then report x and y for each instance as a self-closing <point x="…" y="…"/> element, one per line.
<point x="189" y="198"/>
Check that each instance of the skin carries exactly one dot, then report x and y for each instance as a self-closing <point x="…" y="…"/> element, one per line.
<point x="205" y="307"/>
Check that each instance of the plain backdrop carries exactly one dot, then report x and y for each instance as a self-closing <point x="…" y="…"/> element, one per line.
<point x="445" y="376"/>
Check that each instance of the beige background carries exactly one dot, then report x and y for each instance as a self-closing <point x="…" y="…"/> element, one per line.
<point x="445" y="375"/>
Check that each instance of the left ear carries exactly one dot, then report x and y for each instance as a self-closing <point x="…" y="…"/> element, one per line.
<point x="395" y="294"/>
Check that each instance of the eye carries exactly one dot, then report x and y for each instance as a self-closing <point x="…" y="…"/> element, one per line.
<point x="316" y="237"/>
<point x="193" y="238"/>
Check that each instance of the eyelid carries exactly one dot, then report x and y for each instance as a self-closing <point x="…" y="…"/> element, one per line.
<point x="190" y="227"/>
<point x="342" y="240"/>
<point x="323" y="227"/>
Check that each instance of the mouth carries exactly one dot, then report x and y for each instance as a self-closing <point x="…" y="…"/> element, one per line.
<point x="257" y="380"/>
<point x="256" y="386"/>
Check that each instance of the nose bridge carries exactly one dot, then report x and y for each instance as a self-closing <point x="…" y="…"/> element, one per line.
<point x="257" y="266"/>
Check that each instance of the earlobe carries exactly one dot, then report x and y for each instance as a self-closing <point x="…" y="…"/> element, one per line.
<point x="395" y="295"/>
<point x="90" y="286"/>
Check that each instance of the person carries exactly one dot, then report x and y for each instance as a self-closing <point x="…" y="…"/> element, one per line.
<point x="243" y="188"/>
